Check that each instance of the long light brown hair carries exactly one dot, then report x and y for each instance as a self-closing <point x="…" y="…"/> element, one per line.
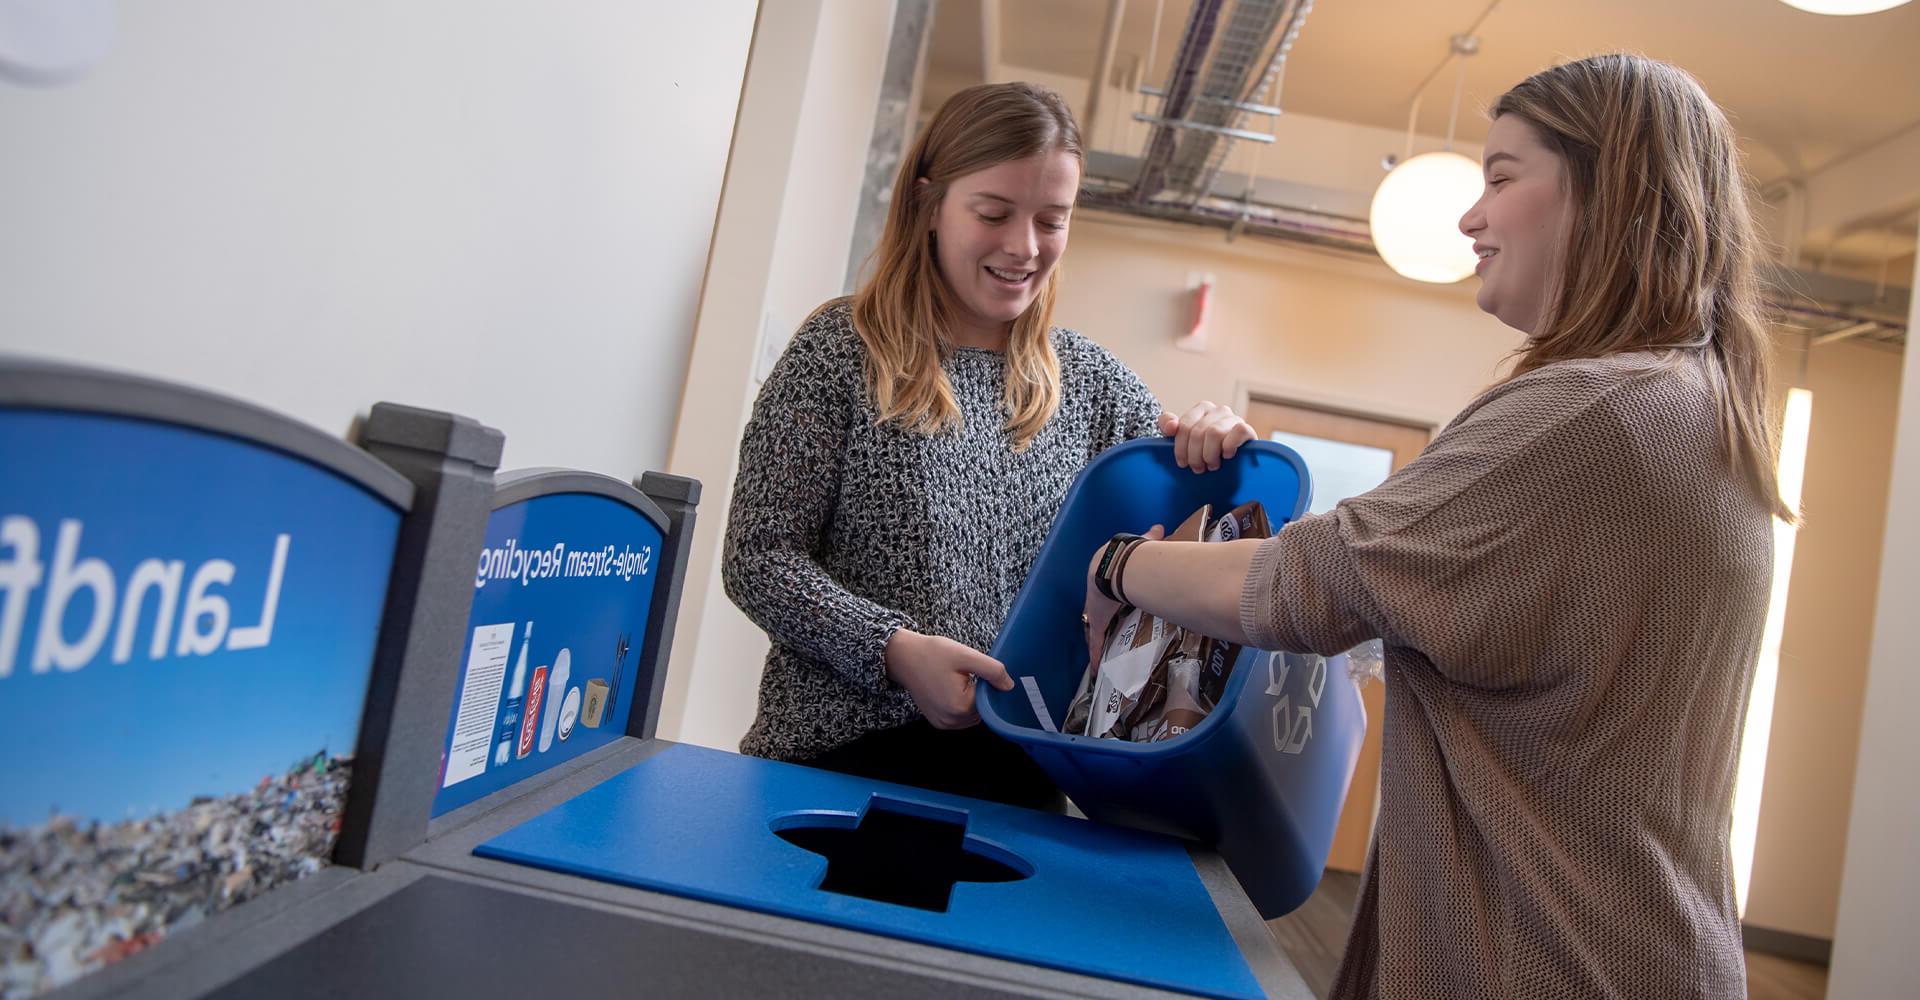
<point x="1662" y="251"/>
<point x="905" y="309"/>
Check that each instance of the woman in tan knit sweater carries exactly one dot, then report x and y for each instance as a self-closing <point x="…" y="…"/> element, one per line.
<point x="1570" y="581"/>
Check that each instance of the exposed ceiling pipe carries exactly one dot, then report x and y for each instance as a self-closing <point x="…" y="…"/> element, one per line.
<point x="1845" y="333"/>
<point x="1327" y="230"/>
<point x="1195" y="40"/>
<point x="1266" y="86"/>
<point x="1109" y="44"/>
<point x="1324" y="231"/>
<point x="1230" y="56"/>
<point x="1234" y="68"/>
<point x="1302" y="227"/>
<point x="1797" y="306"/>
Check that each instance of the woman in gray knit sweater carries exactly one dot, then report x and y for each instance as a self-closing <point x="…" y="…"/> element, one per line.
<point x="907" y="455"/>
<point x="1570" y="581"/>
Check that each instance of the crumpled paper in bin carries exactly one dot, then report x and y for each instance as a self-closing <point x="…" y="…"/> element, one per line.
<point x="1156" y="680"/>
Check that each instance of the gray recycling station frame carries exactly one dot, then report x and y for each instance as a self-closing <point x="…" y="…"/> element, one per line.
<point x="406" y="908"/>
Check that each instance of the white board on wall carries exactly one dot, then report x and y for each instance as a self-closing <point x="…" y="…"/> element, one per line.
<point x="497" y="208"/>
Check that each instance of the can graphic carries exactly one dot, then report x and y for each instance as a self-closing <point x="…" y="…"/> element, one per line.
<point x="530" y="719"/>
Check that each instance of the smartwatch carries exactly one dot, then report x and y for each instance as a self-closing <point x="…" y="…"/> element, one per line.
<point x="1106" y="575"/>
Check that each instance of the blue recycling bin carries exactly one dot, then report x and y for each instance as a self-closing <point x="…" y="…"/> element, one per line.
<point x="1262" y="778"/>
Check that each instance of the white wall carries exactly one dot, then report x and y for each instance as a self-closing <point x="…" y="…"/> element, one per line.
<point x="1873" y="954"/>
<point x="780" y="249"/>
<point x="496" y="208"/>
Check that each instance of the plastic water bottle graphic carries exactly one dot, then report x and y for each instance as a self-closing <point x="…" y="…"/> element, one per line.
<point x="516" y="695"/>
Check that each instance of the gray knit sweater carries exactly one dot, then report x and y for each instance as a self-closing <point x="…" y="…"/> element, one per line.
<point x="843" y="530"/>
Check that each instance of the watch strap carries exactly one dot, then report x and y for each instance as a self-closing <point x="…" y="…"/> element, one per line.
<point x="1109" y="566"/>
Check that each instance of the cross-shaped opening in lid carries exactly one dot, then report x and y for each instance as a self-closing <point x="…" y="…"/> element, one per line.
<point x="899" y="851"/>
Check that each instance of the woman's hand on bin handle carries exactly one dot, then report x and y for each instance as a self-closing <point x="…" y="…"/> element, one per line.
<point x="1100" y="610"/>
<point x="1205" y="435"/>
<point x="940" y="674"/>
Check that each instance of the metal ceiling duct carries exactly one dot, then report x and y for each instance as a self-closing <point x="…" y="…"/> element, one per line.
<point x="1247" y="61"/>
<point x="1176" y="97"/>
<point x="1229" y="54"/>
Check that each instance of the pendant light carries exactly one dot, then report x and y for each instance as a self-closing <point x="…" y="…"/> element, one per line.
<point x="1843" y="8"/>
<point x="1415" y="216"/>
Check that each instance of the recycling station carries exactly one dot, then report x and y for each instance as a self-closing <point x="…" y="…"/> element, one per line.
<point x="295" y="716"/>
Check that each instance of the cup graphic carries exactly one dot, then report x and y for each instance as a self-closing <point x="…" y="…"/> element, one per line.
<point x="596" y="704"/>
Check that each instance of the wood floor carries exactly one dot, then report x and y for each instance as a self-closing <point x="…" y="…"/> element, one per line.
<point x="1314" y="935"/>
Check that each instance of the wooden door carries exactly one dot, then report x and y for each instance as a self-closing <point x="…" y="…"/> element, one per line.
<point x="1346" y="454"/>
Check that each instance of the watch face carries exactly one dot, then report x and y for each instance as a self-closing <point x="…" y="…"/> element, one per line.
<point x="1103" y="577"/>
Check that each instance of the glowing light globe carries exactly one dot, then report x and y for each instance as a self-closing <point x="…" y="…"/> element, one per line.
<point x="1416" y="217"/>
<point x="1843" y="8"/>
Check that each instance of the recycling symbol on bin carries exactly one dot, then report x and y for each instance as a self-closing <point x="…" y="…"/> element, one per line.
<point x="1293" y="724"/>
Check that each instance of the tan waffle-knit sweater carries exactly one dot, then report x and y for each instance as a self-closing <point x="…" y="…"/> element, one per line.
<point x="1570" y="583"/>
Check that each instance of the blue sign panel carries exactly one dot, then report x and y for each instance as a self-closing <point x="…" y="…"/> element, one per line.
<point x="187" y="631"/>
<point x="562" y="590"/>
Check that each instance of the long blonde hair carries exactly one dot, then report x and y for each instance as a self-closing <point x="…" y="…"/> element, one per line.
<point x="904" y="311"/>
<point x="1662" y="251"/>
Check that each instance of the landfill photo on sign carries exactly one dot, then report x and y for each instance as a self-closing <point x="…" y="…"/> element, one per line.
<point x="77" y="895"/>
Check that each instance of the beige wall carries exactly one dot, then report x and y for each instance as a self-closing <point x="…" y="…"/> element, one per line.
<point x="1352" y="334"/>
<point x="1873" y="953"/>
<point x="1823" y="657"/>
<point x="1307" y="325"/>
